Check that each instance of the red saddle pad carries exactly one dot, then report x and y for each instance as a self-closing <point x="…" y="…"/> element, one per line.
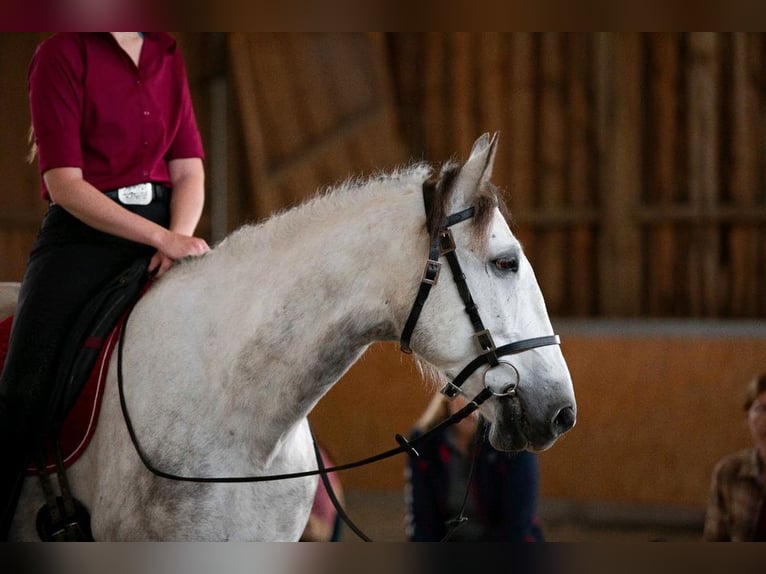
<point x="80" y="423"/>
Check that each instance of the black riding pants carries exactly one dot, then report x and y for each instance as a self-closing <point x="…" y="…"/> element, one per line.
<point x="69" y="263"/>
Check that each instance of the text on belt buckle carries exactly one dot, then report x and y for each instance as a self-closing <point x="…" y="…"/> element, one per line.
<point x="140" y="194"/>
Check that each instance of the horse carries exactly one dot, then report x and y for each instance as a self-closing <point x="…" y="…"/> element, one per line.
<point x="227" y="353"/>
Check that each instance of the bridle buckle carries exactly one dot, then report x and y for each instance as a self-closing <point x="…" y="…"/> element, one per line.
<point x="431" y="272"/>
<point x="486" y="342"/>
<point x="451" y="390"/>
<point x="446" y="241"/>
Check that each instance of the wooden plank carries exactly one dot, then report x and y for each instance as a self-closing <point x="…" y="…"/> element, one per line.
<point x="702" y="108"/>
<point x="757" y="268"/>
<point x="618" y="75"/>
<point x="387" y="128"/>
<point x="662" y="148"/>
<point x="435" y="105"/>
<point x="520" y="139"/>
<point x="277" y="97"/>
<point x="744" y="103"/>
<point x="578" y="145"/>
<point x="552" y="119"/>
<point x="317" y="110"/>
<point x="265" y="199"/>
<point x="603" y="70"/>
<point x="462" y="94"/>
<point x="580" y="265"/>
<point x="551" y="247"/>
<point x="408" y="87"/>
<point x="490" y="96"/>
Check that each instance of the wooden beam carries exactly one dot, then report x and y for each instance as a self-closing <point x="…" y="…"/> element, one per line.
<point x="703" y="167"/>
<point x="618" y="75"/>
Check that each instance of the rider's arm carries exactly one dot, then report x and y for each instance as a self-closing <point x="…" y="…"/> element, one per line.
<point x="68" y="189"/>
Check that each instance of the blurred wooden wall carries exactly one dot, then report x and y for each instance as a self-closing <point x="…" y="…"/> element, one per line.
<point x="315" y="109"/>
<point x="20" y="205"/>
<point x="634" y="163"/>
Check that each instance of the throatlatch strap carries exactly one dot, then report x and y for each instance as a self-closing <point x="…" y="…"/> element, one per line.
<point x="429" y="279"/>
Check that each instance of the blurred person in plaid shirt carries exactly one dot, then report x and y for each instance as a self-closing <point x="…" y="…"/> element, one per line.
<point x="736" y="509"/>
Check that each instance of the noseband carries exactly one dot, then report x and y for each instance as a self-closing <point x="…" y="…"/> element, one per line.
<point x="442" y="244"/>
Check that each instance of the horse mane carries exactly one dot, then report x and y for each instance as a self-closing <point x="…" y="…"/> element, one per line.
<point x="338" y="199"/>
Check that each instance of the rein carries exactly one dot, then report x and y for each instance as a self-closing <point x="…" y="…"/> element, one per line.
<point x="404" y="444"/>
<point x="441" y="244"/>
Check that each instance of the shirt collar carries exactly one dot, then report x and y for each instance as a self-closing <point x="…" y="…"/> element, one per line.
<point x="164" y="41"/>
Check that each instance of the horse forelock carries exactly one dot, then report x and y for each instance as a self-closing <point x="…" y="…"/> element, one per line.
<point x="442" y="188"/>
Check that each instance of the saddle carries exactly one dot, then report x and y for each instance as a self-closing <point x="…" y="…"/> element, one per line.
<point x="73" y="408"/>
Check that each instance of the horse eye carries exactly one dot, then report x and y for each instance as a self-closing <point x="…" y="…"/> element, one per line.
<point x="507" y="264"/>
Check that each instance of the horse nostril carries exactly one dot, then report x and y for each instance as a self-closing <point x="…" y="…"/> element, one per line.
<point x="563" y="421"/>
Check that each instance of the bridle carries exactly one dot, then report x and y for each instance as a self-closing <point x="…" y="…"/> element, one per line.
<point x="441" y="244"/>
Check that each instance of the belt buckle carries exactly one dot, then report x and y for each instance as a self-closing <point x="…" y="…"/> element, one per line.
<point x="139" y="194"/>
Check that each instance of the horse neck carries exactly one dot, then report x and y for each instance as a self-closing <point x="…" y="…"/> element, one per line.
<point x="323" y="283"/>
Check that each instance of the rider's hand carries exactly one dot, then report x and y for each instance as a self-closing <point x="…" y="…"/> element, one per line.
<point x="159" y="264"/>
<point x="176" y="246"/>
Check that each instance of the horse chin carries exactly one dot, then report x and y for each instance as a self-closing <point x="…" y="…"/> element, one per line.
<point x="513" y="432"/>
<point x="507" y="441"/>
<point x="515" y="440"/>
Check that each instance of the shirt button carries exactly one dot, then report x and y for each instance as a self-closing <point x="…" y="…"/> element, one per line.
<point x="146" y="173"/>
<point x="146" y="113"/>
<point x="146" y="143"/>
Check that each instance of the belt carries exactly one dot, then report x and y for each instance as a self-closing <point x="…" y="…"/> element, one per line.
<point x="140" y="194"/>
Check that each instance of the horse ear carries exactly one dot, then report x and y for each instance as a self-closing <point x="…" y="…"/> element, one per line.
<point x="481" y="144"/>
<point x="478" y="169"/>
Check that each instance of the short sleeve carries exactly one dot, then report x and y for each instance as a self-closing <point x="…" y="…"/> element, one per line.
<point x="187" y="142"/>
<point x="56" y="101"/>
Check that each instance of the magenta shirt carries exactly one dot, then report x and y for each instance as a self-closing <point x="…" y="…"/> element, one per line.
<point x="92" y="108"/>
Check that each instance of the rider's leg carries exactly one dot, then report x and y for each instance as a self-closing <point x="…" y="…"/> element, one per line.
<point x="69" y="264"/>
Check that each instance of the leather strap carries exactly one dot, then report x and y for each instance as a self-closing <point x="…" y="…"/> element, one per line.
<point x="431" y="272"/>
<point x="453" y="388"/>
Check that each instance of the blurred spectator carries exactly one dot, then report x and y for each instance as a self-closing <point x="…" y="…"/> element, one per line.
<point x="736" y="509"/>
<point x="502" y="501"/>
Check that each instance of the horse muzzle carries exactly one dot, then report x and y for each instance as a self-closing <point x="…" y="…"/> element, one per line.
<point x="516" y="428"/>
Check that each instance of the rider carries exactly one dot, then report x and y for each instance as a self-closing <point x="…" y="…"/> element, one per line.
<point x="110" y="111"/>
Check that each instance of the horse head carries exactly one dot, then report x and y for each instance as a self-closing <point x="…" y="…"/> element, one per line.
<point x="520" y="361"/>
